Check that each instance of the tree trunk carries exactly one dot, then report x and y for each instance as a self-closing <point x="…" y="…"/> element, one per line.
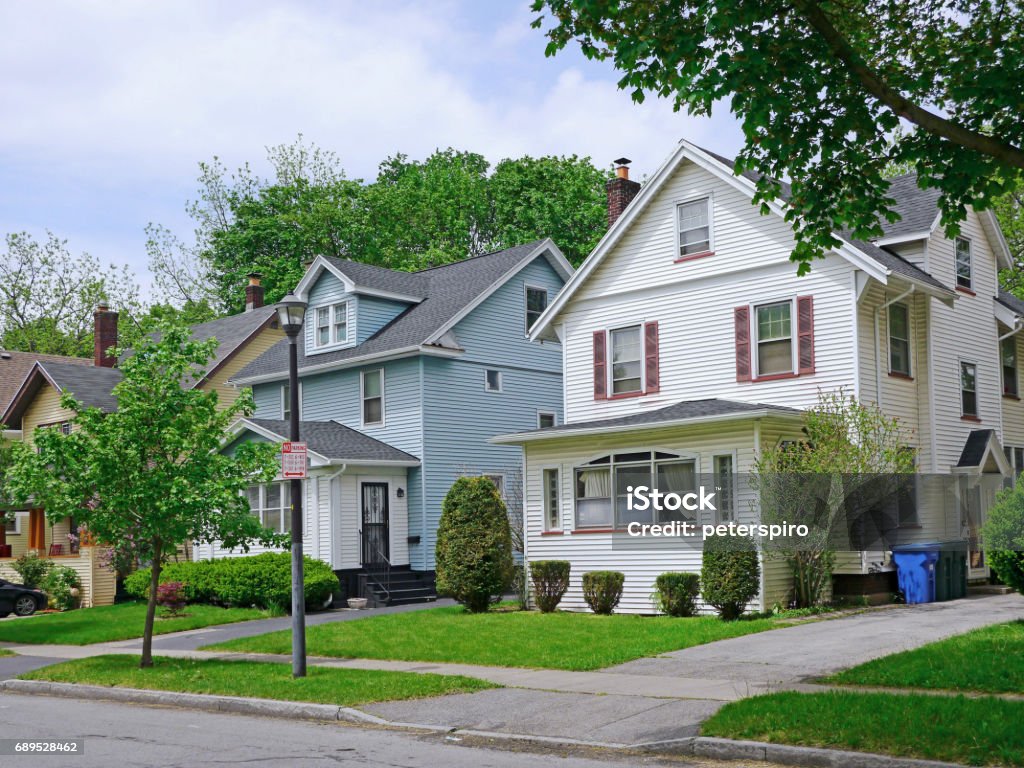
<point x="154" y="582"/>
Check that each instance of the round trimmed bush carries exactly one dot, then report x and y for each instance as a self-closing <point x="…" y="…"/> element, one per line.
<point x="676" y="593"/>
<point x="602" y="590"/>
<point x="474" y="544"/>
<point x="264" y="581"/>
<point x="1003" y="535"/>
<point x="550" y="580"/>
<point x="61" y="585"/>
<point x="730" y="575"/>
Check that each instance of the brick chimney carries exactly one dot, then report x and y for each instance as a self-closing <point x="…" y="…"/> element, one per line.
<point x="254" y="292"/>
<point x="621" y="190"/>
<point x="105" y="335"/>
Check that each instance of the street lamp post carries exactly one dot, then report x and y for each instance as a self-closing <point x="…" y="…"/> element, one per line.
<point x="291" y="312"/>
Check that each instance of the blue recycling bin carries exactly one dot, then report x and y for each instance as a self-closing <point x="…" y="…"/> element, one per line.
<point x="915" y="570"/>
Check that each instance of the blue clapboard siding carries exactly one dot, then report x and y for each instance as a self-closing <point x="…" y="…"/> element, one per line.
<point x="268" y="400"/>
<point x="329" y="290"/>
<point x="373" y="313"/>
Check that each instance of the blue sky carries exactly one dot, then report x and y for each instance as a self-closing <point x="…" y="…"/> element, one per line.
<point x="109" y="106"/>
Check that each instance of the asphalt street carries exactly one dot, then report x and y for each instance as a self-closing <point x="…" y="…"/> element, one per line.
<point x="135" y="736"/>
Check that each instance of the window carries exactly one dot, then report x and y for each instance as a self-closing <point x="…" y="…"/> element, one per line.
<point x="694" y="227"/>
<point x="373" y="396"/>
<point x="492" y="380"/>
<point x="13" y="527"/>
<point x="725" y="487"/>
<point x="968" y="389"/>
<point x="552" y="515"/>
<point x="271" y="504"/>
<point x="536" y="303"/>
<point x="608" y="477"/>
<point x="963" y="263"/>
<point x="627" y="360"/>
<point x="545" y="419"/>
<point x="286" y="410"/>
<point x="332" y="324"/>
<point x="1008" y="354"/>
<point x="899" y="339"/>
<point x="774" y="338"/>
<point x="499" y="483"/>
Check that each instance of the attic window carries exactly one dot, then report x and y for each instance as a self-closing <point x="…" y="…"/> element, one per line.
<point x="963" y="263"/>
<point x="331" y="324"/>
<point x="694" y="227"/>
<point x="536" y="303"/>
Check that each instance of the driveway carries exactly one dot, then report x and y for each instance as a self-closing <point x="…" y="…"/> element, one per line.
<point x="817" y="648"/>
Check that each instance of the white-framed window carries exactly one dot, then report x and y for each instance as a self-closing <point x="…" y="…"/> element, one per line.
<point x="968" y="389"/>
<point x="536" y="303"/>
<point x="1008" y="359"/>
<point x="725" y="487"/>
<point x="899" y="339"/>
<point x="627" y="360"/>
<point x="963" y="263"/>
<point x="602" y="481"/>
<point x="545" y="419"/>
<point x="13" y="527"/>
<point x="286" y="403"/>
<point x="271" y="504"/>
<point x="372" y="396"/>
<point x="331" y="324"/>
<point x="694" y="225"/>
<point x="773" y="331"/>
<point x="552" y="512"/>
<point x="492" y="380"/>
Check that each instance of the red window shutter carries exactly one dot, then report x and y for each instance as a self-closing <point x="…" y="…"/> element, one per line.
<point x="652" y="368"/>
<point x="600" y="365"/>
<point x="805" y="334"/>
<point x="741" y="316"/>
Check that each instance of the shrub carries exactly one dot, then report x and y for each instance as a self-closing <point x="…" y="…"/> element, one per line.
<point x="550" y="580"/>
<point x="170" y="596"/>
<point x="1003" y="535"/>
<point x="263" y="580"/>
<point x="32" y="569"/>
<point x="602" y="590"/>
<point x="730" y="575"/>
<point x="676" y="593"/>
<point x="61" y="585"/>
<point x="474" y="544"/>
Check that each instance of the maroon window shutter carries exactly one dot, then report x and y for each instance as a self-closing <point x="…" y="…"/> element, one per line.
<point x="805" y="334"/>
<point x="741" y="315"/>
<point x="600" y="366"/>
<point x="652" y="368"/>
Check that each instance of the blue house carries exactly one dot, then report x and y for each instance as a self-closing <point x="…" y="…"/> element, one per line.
<point x="404" y="378"/>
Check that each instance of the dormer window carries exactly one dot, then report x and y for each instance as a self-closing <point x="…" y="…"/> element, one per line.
<point x="963" y="263"/>
<point x="332" y="324"/>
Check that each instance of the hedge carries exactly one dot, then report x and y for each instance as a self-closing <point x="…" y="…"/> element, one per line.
<point x="263" y="581"/>
<point x="730" y="575"/>
<point x="676" y="593"/>
<point x="602" y="590"/>
<point x="550" y="582"/>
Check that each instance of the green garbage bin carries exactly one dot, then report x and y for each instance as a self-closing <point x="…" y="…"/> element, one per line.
<point x="951" y="571"/>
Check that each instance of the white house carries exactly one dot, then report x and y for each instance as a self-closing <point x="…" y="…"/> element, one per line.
<point x="689" y="343"/>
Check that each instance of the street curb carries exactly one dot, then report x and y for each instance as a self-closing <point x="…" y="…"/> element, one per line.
<point x="784" y="754"/>
<point x="694" y="746"/>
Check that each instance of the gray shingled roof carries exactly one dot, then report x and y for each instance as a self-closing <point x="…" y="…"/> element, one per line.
<point x="915" y="205"/>
<point x="1007" y="299"/>
<point x="14" y="367"/>
<point x="90" y="385"/>
<point x="337" y="442"/>
<point x="974" y="448"/>
<point x="449" y="290"/>
<point x="681" y="411"/>
<point x="414" y="284"/>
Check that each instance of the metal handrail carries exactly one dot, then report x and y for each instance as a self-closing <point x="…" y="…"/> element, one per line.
<point x="371" y="576"/>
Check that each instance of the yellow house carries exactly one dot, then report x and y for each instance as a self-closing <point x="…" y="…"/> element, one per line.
<point x="35" y="404"/>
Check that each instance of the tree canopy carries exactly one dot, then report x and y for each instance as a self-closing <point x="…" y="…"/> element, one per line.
<point x="150" y="476"/>
<point x="821" y="88"/>
<point x="414" y="214"/>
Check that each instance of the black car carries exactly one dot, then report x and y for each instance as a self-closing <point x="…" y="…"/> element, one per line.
<point x="19" y="599"/>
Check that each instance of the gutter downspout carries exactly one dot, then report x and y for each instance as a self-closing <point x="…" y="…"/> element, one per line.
<point x="878" y="342"/>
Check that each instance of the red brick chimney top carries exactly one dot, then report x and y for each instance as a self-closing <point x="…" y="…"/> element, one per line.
<point x="104" y="335"/>
<point x="620" y="189"/>
<point x="254" y="292"/>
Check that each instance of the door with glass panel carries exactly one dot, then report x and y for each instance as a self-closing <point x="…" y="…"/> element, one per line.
<point x="375" y="536"/>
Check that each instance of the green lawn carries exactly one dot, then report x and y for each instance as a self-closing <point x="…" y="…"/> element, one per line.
<point x="113" y="622"/>
<point x="5" y="652"/>
<point x="990" y="660"/>
<point x="956" y="729"/>
<point x="576" y="641"/>
<point x="344" y="687"/>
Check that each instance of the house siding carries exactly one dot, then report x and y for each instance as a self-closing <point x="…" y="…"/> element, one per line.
<point x="227" y="393"/>
<point x="373" y="313"/>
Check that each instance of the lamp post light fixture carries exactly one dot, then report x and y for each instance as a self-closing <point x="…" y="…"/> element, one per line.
<point x="291" y="311"/>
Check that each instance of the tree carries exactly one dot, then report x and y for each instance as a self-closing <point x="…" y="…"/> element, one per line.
<point x="850" y="465"/>
<point x="152" y="472"/>
<point x="1003" y="535"/>
<point x="48" y="295"/>
<point x="474" y="548"/>
<point x="820" y="88"/>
